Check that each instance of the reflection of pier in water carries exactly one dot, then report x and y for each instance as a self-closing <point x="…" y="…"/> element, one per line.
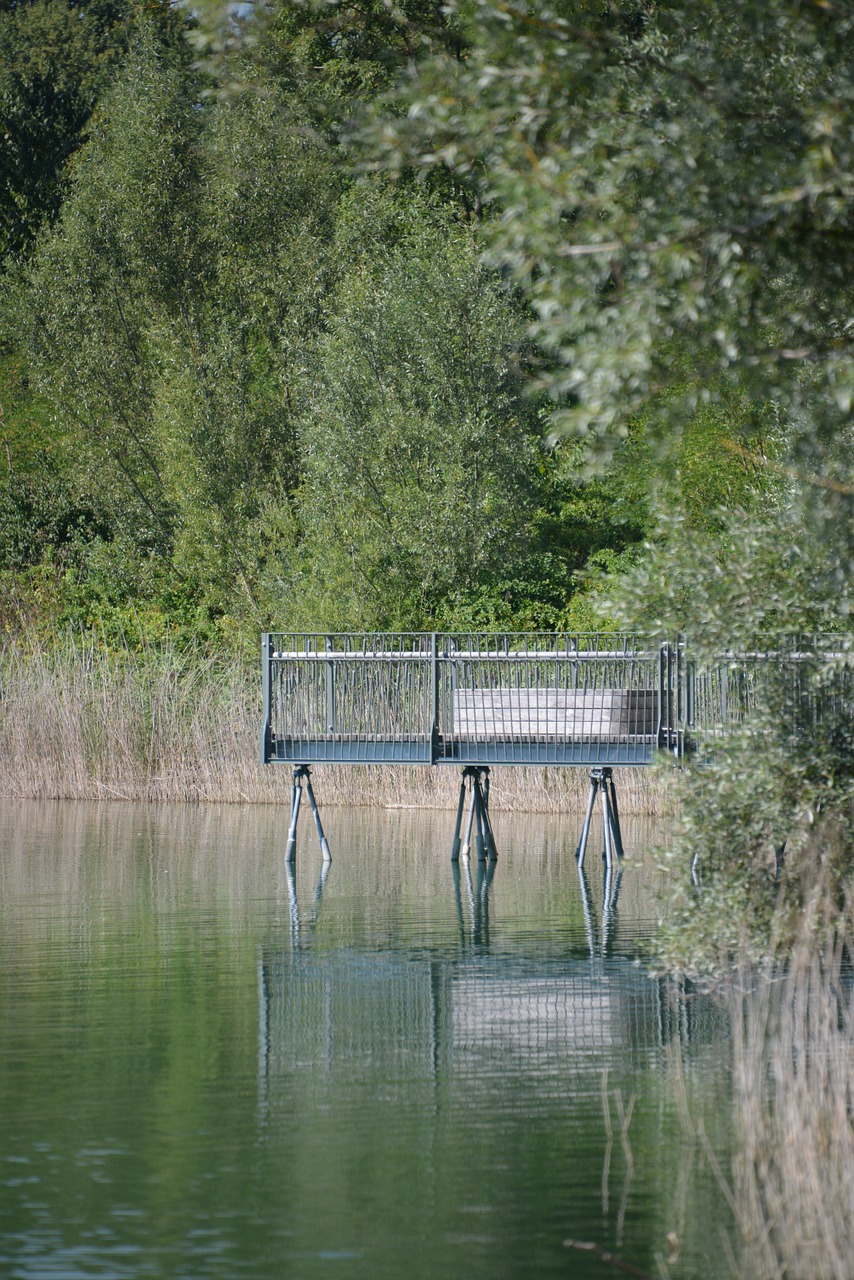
<point x="566" y="1014"/>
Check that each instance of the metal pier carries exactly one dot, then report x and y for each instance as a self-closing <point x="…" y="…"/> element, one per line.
<point x="478" y="700"/>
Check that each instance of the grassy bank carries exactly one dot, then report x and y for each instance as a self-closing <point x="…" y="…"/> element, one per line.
<point x="86" y="722"/>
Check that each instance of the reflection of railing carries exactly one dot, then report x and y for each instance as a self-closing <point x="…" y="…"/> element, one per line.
<point x="352" y="1009"/>
<point x="469" y="1012"/>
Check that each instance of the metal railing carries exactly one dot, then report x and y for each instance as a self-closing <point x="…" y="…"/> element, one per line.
<point x="493" y="698"/>
<point x="473" y="698"/>
<point x="807" y="680"/>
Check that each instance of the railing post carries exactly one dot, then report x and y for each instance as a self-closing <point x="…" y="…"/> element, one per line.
<point x="266" y="724"/>
<point x="690" y="691"/>
<point x="663" y="717"/>
<point x="330" y="690"/>
<point x="670" y="697"/>
<point x="679" y="724"/>
<point x="434" y="689"/>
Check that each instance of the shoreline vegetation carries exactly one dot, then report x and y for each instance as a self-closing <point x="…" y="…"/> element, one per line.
<point x="86" y="721"/>
<point x="83" y="721"/>
<point x="792" y="1022"/>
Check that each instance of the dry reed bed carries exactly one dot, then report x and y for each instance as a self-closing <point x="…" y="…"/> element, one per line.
<point x="81" y="721"/>
<point x="793" y="1057"/>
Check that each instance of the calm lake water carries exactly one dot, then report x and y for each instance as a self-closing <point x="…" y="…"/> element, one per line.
<point x="211" y="1068"/>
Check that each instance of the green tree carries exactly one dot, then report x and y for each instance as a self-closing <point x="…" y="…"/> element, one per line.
<point x="420" y="450"/>
<point x="167" y="310"/>
<point x="56" y="59"/>
<point x="672" y="179"/>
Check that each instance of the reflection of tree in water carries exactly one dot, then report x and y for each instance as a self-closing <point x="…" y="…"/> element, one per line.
<point x="478" y="1009"/>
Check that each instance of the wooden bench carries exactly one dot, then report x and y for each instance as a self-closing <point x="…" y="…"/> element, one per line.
<point x="554" y="714"/>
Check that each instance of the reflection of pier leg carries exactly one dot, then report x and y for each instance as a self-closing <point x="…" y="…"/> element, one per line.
<point x="610" y="893"/>
<point x="293" y="905"/>
<point x="296" y="797"/>
<point x="455" y="847"/>
<point x="470" y="893"/>
<point x="455" y="867"/>
<point x="324" y="843"/>
<point x="587" y="910"/>
<point x="296" y="919"/>
<point x="485" y="872"/>
<point x="324" y="873"/>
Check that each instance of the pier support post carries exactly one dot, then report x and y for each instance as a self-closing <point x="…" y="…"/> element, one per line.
<point x="455" y="847"/>
<point x="477" y="820"/>
<point x="302" y="774"/>
<point x="602" y="784"/>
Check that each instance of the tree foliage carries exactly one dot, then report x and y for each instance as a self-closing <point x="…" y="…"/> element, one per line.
<point x="420" y="451"/>
<point x="57" y="58"/>
<point x="670" y="184"/>
<point x="668" y="178"/>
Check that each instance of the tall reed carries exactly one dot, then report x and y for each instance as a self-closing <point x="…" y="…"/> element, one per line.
<point x="793" y="1054"/>
<point x="82" y="720"/>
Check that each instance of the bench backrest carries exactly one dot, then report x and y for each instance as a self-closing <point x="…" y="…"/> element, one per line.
<point x="488" y="714"/>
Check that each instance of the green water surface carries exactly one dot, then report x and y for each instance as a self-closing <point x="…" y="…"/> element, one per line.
<point x="210" y="1068"/>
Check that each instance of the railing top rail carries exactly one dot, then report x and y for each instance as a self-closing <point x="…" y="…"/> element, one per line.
<point x="516" y="646"/>
<point x="546" y="645"/>
<point x="361" y="636"/>
<point x="465" y="655"/>
<point x="780" y="655"/>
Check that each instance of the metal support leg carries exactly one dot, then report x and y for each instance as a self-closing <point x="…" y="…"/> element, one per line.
<point x="455" y="847"/>
<point x="602" y="784"/>
<point x="477" y="796"/>
<point x="464" y="851"/>
<point x="324" y="843"/>
<point x="296" y="797"/>
<point x="585" y="830"/>
<point x="478" y="822"/>
<point x="607" y="843"/>
<point x="488" y="833"/>
<point x="615" y="816"/>
<point x="302" y="773"/>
